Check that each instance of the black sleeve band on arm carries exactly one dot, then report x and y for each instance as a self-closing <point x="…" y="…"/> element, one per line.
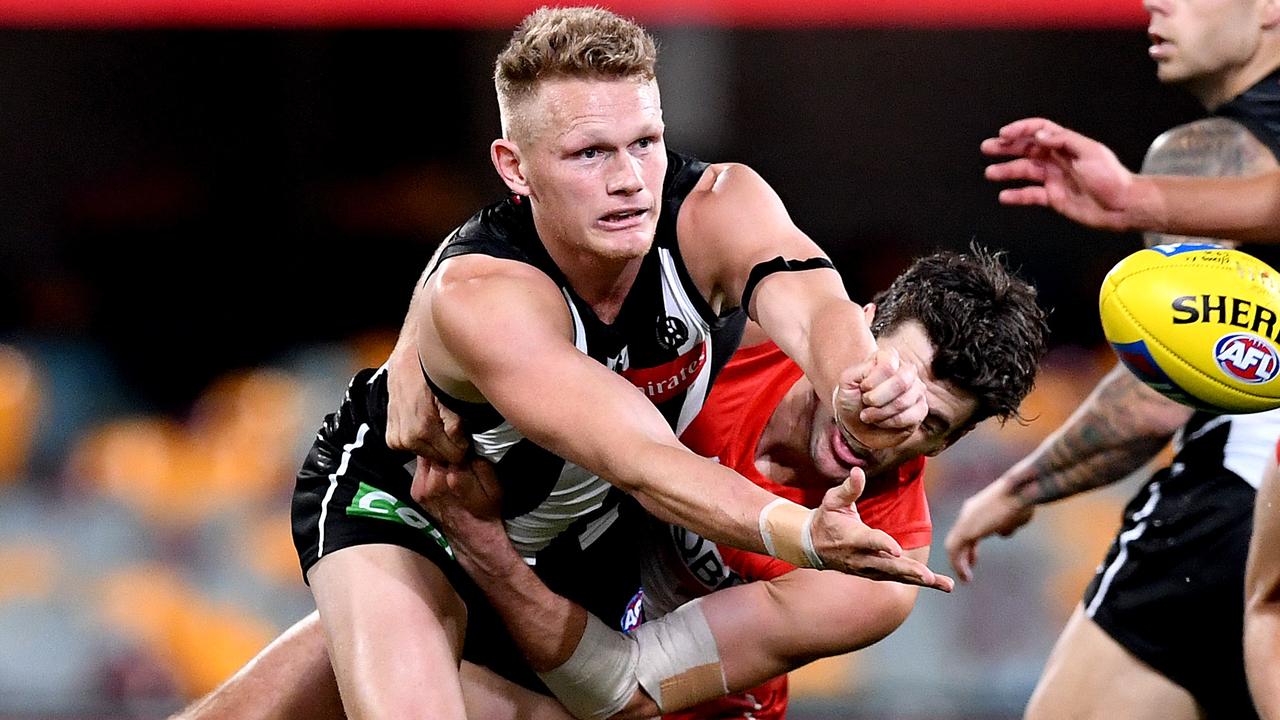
<point x="777" y="265"/>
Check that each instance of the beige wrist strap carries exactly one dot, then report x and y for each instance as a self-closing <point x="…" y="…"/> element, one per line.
<point x="786" y="531"/>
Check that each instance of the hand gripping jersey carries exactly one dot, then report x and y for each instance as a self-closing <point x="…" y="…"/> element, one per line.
<point x="729" y="428"/>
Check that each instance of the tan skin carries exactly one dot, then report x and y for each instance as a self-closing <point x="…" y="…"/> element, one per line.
<point x="1081" y="179"/>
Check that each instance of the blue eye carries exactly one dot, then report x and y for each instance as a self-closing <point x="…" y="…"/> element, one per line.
<point x="589" y="153"/>
<point x="645" y="142"/>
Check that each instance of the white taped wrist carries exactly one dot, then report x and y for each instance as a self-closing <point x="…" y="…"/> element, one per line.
<point x="806" y="542"/>
<point x="599" y="678"/>
<point x="786" y="532"/>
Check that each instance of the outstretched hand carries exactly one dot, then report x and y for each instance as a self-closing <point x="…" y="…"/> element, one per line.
<point x="995" y="510"/>
<point x="1078" y="177"/>
<point x="847" y="544"/>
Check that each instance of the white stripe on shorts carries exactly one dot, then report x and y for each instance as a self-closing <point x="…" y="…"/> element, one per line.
<point x="333" y="481"/>
<point x="1125" y="538"/>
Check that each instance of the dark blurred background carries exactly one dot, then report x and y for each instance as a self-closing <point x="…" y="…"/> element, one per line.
<point x="197" y="200"/>
<point x="204" y="228"/>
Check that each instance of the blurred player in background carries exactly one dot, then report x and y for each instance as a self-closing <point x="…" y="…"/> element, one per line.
<point x="1158" y="632"/>
<point x="977" y="335"/>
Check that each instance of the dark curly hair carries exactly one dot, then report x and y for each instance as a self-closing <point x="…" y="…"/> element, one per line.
<point x="989" y="332"/>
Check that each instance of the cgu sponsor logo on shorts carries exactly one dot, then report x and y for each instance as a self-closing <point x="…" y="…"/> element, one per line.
<point x="670" y="378"/>
<point x="1247" y="358"/>
<point x="1224" y="310"/>
<point x="371" y="502"/>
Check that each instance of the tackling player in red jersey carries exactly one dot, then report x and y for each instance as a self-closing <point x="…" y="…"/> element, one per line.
<point x="976" y="335"/>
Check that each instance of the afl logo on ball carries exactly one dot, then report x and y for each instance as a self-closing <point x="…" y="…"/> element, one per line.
<point x="672" y="332"/>
<point x="1247" y="358"/>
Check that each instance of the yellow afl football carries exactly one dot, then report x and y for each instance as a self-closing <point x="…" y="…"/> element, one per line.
<point x="1199" y="323"/>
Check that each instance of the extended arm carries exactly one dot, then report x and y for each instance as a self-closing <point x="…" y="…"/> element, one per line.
<point x="1121" y="425"/>
<point x="1262" y="600"/>
<point x="597" y="420"/>
<point x="749" y="633"/>
<point x="1082" y="179"/>
<point x="732" y="225"/>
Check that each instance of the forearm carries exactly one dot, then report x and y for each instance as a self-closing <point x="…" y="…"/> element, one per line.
<point x="1246" y="209"/>
<point x="824" y="333"/>
<point x="681" y="488"/>
<point x="1120" y="426"/>
<point x="545" y="626"/>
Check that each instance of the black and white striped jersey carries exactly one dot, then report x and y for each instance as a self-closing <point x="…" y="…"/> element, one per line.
<point x="666" y="340"/>
<point x="1239" y="443"/>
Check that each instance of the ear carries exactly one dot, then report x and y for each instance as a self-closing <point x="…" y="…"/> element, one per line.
<point x="869" y="312"/>
<point x="507" y="161"/>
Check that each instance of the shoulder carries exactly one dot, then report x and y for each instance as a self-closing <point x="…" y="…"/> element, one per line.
<point x="482" y="290"/>
<point x="721" y="181"/>
<point x="727" y="195"/>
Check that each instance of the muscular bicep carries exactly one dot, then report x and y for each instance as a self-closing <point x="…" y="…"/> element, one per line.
<point x="733" y="222"/>
<point x="511" y="338"/>
<point x="764" y="629"/>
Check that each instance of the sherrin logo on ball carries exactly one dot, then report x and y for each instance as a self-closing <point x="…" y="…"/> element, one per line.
<point x="1199" y="323"/>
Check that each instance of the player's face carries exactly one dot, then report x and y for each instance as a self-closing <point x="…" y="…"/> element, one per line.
<point x="1202" y="40"/>
<point x="950" y="411"/>
<point x="595" y="165"/>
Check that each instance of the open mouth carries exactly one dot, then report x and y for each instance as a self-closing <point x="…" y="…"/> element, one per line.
<point x="842" y="445"/>
<point x="623" y="216"/>
<point x="1160" y="45"/>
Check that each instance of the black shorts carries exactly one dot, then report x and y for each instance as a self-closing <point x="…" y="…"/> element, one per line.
<point x="352" y="490"/>
<point x="1171" y="590"/>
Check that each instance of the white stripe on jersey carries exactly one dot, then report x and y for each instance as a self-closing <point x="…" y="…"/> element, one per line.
<point x="579" y="331"/>
<point x="1123" y="554"/>
<point x="675" y="298"/>
<point x="493" y="444"/>
<point x="577" y="493"/>
<point x="1251" y="442"/>
<point x="333" y="481"/>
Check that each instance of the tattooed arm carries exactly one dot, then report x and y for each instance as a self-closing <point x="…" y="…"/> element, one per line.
<point x="1120" y="426"/>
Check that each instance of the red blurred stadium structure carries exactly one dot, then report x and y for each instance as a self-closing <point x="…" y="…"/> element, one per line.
<point x="505" y="13"/>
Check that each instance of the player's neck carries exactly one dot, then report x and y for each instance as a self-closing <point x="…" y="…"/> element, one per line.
<point x="1214" y="91"/>
<point x="782" y="454"/>
<point x="602" y="282"/>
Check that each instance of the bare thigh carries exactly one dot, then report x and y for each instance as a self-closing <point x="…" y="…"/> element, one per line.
<point x="1089" y="676"/>
<point x="490" y="697"/>
<point x="394" y="629"/>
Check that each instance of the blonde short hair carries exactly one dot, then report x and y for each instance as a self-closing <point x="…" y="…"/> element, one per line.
<point x="572" y="42"/>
